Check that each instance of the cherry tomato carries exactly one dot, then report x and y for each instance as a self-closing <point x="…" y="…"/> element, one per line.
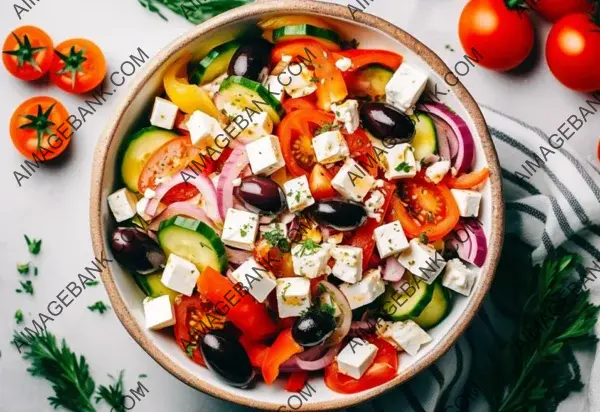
<point x="552" y="10"/>
<point x="37" y="127"/>
<point x="383" y="369"/>
<point x="502" y="38"/>
<point x="78" y="67"/>
<point x="27" y="53"/>
<point x="425" y="208"/>
<point x="572" y="51"/>
<point x="320" y="183"/>
<point x="170" y="158"/>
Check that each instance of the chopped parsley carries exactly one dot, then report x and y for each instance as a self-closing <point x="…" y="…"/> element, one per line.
<point x="285" y="289"/>
<point x="189" y="349"/>
<point x="19" y="316"/>
<point x="423" y="238"/>
<point x="244" y="230"/>
<point x="34" y="245"/>
<point x="92" y="283"/>
<point x="327" y="308"/>
<point x="98" y="307"/>
<point x="23" y="268"/>
<point x="142" y="375"/>
<point x="27" y="287"/>
<point x="308" y="247"/>
<point x="327" y="127"/>
<point x="275" y="238"/>
<point x="403" y="167"/>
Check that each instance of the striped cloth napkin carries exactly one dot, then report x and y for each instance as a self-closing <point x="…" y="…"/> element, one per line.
<point x="557" y="207"/>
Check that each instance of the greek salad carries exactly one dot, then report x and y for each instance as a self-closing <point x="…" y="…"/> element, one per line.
<point x="296" y="205"/>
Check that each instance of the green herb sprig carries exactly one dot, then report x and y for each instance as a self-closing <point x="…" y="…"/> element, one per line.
<point x="195" y="11"/>
<point x="113" y="394"/>
<point x="34" y="245"/>
<point x="19" y="316"/>
<point x="98" y="307"/>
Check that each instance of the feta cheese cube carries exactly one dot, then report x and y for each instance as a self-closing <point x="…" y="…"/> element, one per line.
<point x="437" y="171"/>
<point x="122" y="204"/>
<point x="140" y="208"/>
<point x="163" y="113"/>
<point x="297" y="194"/>
<point x="365" y="291"/>
<point x="374" y="203"/>
<point x="258" y="280"/>
<point x="293" y="296"/>
<point x="356" y="357"/>
<point x="347" y="114"/>
<point x="213" y="87"/>
<point x="343" y="64"/>
<point x="348" y="263"/>
<point x="330" y="147"/>
<point x="265" y="155"/>
<point x="247" y="123"/>
<point x="467" y="202"/>
<point x="399" y="162"/>
<point x="202" y="128"/>
<point x="149" y="193"/>
<point x="180" y="275"/>
<point x="458" y="277"/>
<point x="390" y="239"/>
<point x="239" y="229"/>
<point x="407" y="335"/>
<point x="310" y="259"/>
<point x="300" y="80"/>
<point x="422" y="260"/>
<point x="275" y="87"/>
<point x="405" y="87"/>
<point x="352" y="181"/>
<point x="271" y="227"/>
<point x="158" y="312"/>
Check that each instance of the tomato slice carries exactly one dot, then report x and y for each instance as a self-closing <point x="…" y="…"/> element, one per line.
<point x="170" y="158"/>
<point x="256" y="350"/>
<point x="194" y="317"/>
<point x="467" y="181"/>
<point x="27" y="53"/>
<point x="305" y="102"/>
<point x="276" y="258"/>
<point x="362" y="57"/>
<point x="245" y="312"/>
<point x="282" y="349"/>
<point x="359" y="143"/>
<point x="295" y="132"/>
<point x="383" y="369"/>
<point x="425" y="208"/>
<point x="363" y="237"/>
<point x="180" y="193"/>
<point x="296" y="381"/>
<point x="320" y="183"/>
<point x="78" y="67"/>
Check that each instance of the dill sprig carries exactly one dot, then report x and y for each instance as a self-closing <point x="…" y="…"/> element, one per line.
<point x="195" y="11"/>
<point x="113" y="394"/>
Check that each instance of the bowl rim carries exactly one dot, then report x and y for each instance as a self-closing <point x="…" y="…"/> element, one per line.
<point x="328" y="10"/>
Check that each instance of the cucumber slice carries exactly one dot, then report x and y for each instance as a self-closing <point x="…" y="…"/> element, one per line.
<point x="246" y="93"/>
<point x="214" y="64"/>
<point x="153" y="287"/>
<point x="193" y="240"/>
<point x="326" y="37"/>
<point x="139" y="149"/>
<point x="436" y="310"/>
<point x="370" y="81"/>
<point x="408" y="304"/>
<point x="425" y="140"/>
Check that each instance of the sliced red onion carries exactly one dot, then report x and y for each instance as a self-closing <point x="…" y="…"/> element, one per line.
<point x="287" y="217"/>
<point x="182" y="208"/>
<point x="362" y="328"/>
<point x="345" y="319"/>
<point x="320" y="363"/>
<point x="443" y="140"/>
<point x="469" y="241"/>
<point x="237" y="256"/>
<point x="265" y="220"/>
<point x="313" y="359"/>
<point x="393" y="270"/>
<point x="234" y="165"/>
<point x="465" y="153"/>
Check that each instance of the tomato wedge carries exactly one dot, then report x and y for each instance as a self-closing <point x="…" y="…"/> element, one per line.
<point x="383" y="369"/>
<point x="359" y="143"/>
<point x="425" y="208"/>
<point x="306" y="102"/>
<point x="363" y="237"/>
<point x="296" y="381"/>
<point x="245" y="312"/>
<point x="180" y="193"/>
<point x="256" y="350"/>
<point x="170" y="158"/>
<point x="193" y="318"/>
<point x="467" y="181"/>
<point x="282" y="349"/>
<point x="320" y="183"/>
<point x="361" y="58"/>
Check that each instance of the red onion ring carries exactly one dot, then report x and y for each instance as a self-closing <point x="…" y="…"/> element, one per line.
<point x="236" y="256"/>
<point x="182" y="208"/>
<point x="343" y="325"/>
<point x="234" y="165"/>
<point x="392" y="270"/>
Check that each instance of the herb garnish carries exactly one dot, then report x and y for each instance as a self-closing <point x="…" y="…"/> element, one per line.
<point x="423" y="238"/>
<point x="327" y="127"/>
<point x="275" y="238"/>
<point x="308" y="247"/>
<point x="34" y="245"/>
<point x="195" y="12"/>
<point x="23" y="268"/>
<point x="27" y="287"/>
<point x="19" y="316"/>
<point x="403" y="167"/>
<point x="92" y="283"/>
<point x="113" y="395"/>
<point x="98" y="307"/>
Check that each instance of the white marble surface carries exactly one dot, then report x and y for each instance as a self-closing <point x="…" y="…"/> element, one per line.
<point x="53" y="203"/>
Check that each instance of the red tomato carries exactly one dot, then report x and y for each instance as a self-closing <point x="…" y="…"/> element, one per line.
<point x="193" y="318"/>
<point x="78" y="67"/>
<point x="282" y="349"/>
<point x="245" y="312"/>
<point x="36" y="128"/>
<point x="383" y="369"/>
<point x="306" y="102"/>
<point x="27" y="53"/>
<point x="361" y="58"/>
<point x="552" y="10"/>
<point x="572" y="51"/>
<point x="170" y="158"/>
<point x="180" y="193"/>
<point x="320" y="183"/>
<point x="503" y="38"/>
<point x="467" y="181"/>
<point x="358" y="143"/>
<point x="425" y="208"/>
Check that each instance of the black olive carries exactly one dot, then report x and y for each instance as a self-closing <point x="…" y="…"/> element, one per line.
<point x="388" y="123"/>
<point x="339" y="214"/>
<point x="313" y="327"/>
<point x="249" y="60"/>
<point x="226" y="357"/>
<point x="136" y="250"/>
<point x="261" y="193"/>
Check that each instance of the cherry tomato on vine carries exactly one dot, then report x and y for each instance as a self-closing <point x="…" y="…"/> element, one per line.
<point x="552" y="10"/>
<point x="27" y="53"/>
<point x="78" y="67"/>
<point x="573" y="52"/>
<point x="502" y="37"/>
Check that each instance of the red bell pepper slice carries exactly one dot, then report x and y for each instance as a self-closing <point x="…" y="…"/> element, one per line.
<point x="296" y="381"/>
<point x="282" y="349"/>
<point x="256" y="351"/>
<point x="361" y="58"/>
